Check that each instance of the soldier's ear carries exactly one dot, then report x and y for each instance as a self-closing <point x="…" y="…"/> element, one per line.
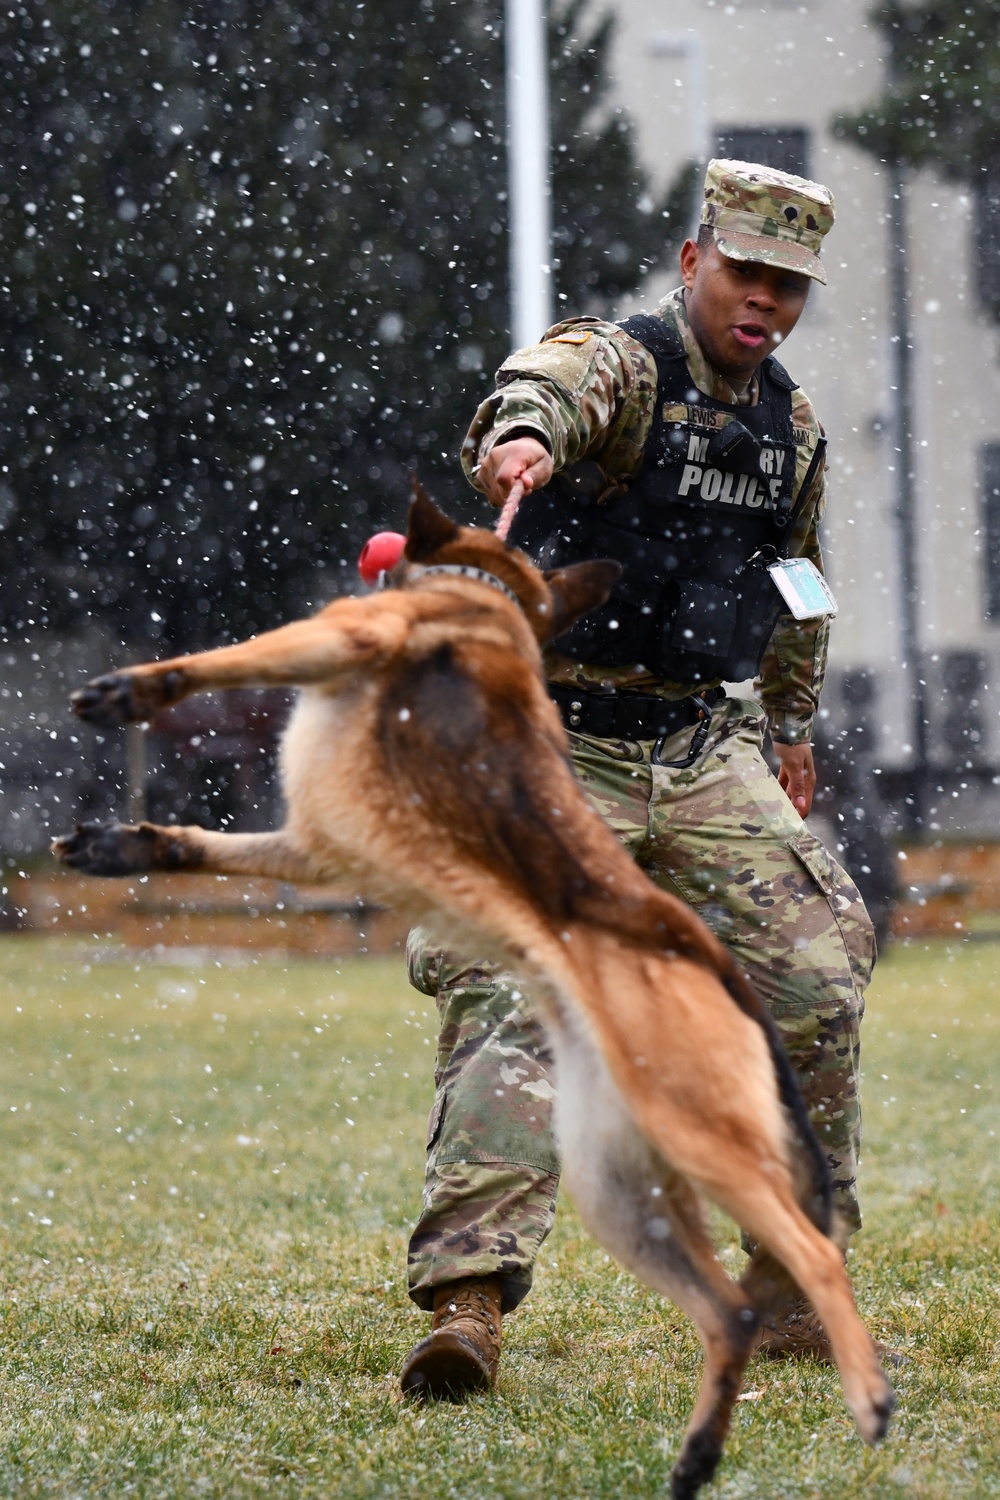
<point x="428" y="528"/>
<point x="578" y="588"/>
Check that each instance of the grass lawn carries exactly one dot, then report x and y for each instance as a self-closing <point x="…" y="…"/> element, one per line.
<point x="205" y="1191"/>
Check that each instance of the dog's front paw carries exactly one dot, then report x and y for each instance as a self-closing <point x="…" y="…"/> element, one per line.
<point x="126" y="697"/>
<point x="110" y="848"/>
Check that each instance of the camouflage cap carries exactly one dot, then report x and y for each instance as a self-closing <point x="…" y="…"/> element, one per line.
<point x="759" y="213"/>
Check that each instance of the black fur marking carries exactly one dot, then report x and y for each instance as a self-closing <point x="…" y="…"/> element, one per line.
<point x="123" y="698"/>
<point x="696" y="1465"/>
<point x="119" y="849"/>
<point x="449" y="744"/>
<point x="702" y="1449"/>
<point x="434" y="696"/>
<point x="819" y="1205"/>
<point x="106" y="702"/>
<point x="884" y="1410"/>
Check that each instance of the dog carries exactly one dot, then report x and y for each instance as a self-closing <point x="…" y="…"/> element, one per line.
<point x="426" y="761"/>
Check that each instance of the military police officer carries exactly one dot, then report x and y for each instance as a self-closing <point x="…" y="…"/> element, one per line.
<point x="677" y="444"/>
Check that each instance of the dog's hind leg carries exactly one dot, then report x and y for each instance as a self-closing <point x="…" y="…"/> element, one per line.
<point x="137" y="849"/>
<point x="727" y="1324"/>
<point x="704" y="1093"/>
<point x="652" y="1221"/>
<point x="768" y="1211"/>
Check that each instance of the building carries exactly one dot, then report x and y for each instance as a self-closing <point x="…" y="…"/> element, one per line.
<point x="763" y="80"/>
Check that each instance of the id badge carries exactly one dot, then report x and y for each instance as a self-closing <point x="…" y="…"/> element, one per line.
<point x="803" y="588"/>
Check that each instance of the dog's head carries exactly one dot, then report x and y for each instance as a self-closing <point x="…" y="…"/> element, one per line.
<point x="552" y="601"/>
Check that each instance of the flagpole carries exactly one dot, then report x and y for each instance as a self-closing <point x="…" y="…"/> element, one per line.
<point x="528" y="167"/>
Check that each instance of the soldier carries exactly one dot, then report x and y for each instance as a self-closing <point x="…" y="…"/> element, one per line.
<point x="677" y="444"/>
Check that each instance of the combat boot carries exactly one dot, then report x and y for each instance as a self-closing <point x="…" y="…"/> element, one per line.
<point x="795" y="1332"/>
<point x="462" y="1353"/>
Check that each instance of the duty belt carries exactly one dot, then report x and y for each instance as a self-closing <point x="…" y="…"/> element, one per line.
<point x="636" y="716"/>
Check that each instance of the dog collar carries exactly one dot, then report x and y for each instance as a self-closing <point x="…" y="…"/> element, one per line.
<point x="479" y="575"/>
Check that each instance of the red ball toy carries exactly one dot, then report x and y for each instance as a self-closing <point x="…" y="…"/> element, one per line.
<point x="380" y="553"/>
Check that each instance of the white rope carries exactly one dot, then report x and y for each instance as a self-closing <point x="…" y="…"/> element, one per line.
<point x="509" y="511"/>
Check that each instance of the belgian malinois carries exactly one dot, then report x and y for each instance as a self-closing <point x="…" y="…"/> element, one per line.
<point x="426" y="761"/>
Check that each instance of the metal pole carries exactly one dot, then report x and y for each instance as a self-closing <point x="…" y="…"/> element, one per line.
<point x="902" y="387"/>
<point x="528" y="166"/>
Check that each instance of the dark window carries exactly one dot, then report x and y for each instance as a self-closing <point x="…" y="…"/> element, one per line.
<point x="785" y="147"/>
<point x="989" y="485"/>
<point x="857" y="691"/>
<point x="963" y="679"/>
<point x="987" y="244"/>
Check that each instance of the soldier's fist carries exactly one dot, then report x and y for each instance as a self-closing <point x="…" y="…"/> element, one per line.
<point x="523" y="458"/>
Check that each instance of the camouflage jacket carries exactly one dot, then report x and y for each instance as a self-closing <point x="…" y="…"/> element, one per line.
<point x="588" y="390"/>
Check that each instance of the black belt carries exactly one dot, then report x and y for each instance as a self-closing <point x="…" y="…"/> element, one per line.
<point x="636" y="716"/>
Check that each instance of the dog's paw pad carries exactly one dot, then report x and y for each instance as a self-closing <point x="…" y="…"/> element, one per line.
<point x="104" y="849"/>
<point x="107" y="701"/>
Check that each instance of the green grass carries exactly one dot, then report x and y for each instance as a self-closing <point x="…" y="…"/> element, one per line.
<point x="206" y="1185"/>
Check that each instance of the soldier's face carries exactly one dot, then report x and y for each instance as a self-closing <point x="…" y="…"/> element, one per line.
<point x="740" y="311"/>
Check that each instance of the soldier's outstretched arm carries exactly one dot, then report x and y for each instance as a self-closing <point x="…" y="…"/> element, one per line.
<point x="584" y="383"/>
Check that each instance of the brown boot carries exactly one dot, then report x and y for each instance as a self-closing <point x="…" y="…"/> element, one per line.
<point x="462" y="1353"/>
<point x="795" y="1332"/>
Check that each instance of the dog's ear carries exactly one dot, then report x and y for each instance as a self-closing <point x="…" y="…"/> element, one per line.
<point x="576" y="589"/>
<point x="428" y="528"/>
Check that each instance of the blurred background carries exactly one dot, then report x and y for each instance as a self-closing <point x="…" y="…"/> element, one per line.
<point x="255" y="270"/>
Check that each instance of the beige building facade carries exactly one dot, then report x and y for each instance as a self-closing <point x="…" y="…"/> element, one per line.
<point x="766" y="78"/>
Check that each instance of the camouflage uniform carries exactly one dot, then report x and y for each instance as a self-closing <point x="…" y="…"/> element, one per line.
<point x="720" y="834"/>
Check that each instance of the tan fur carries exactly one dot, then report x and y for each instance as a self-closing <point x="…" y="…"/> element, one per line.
<point x="426" y="760"/>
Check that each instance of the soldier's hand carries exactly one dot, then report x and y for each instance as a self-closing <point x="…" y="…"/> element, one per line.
<point x="523" y="458"/>
<point x="797" y="775"/>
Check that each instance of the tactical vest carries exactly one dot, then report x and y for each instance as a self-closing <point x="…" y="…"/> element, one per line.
<point x="713" y="504"/>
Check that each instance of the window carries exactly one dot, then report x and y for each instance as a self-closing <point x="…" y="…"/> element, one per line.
<point x="785" y="147"/>
<point x="963" y="680"/>
<point x="857" y="691"/>
<point x="986" y="249"/>
<point x="989" y="486"/>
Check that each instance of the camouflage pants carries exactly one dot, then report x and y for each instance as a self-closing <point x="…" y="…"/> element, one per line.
<point x="723" y="836"/>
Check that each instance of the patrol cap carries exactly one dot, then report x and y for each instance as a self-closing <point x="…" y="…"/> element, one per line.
<point x="759" y="213"/>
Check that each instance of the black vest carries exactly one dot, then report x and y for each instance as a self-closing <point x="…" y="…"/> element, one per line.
<point x="713" y="504"/>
